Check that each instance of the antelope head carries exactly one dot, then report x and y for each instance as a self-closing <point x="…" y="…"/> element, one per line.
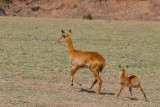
<point x="64" y="36"/>
<point x="122" y="70"/>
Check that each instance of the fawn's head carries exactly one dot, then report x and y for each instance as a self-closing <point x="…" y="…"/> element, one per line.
<point x="122" y="69"/>
<point x="64" y="36"/>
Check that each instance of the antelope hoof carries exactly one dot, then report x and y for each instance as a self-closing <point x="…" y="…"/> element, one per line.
<point x="91" y="87"/>
<point x="72" y="84"/>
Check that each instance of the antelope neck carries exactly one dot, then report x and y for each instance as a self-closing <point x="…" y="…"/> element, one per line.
<point x="70" y="46"/>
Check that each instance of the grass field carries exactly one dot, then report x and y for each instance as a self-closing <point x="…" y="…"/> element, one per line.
<point x="35" y="72"/>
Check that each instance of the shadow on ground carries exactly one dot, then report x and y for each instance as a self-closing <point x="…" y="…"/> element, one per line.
<point x="132" y="98"/>
<point x="91" y="91"/>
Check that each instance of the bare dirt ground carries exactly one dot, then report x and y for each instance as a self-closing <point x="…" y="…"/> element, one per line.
<point x="106" y="9"/>
<point x="81" y="96"/>
<point x="46" y="93"/>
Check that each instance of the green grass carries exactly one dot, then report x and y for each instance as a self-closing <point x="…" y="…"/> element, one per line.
<point x="27" y="44"/>
<point x="28" y="54"/>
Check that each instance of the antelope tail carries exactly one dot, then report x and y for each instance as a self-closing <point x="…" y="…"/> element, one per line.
<point x="101" y="68"/>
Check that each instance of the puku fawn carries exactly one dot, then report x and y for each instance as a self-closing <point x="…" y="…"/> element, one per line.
<point x="129" y="81"/>
<point x="80" y="59"/>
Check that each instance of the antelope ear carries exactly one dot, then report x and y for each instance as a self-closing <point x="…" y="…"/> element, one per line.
<point x="62" y="31"/>
<point x="70" y="31"/>
<point x="119" y="66"/>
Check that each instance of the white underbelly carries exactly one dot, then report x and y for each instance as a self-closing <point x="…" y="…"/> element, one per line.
<point x="78" y="63"/>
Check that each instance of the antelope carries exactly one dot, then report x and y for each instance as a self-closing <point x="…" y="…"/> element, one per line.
<point x="129" y="81"/>
<point x="80" y="59"/>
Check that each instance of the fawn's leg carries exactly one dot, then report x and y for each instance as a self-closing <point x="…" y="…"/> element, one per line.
<point x="143" y="92"/>
<point x="120" y="91"/>
<point x="130" y="90"/>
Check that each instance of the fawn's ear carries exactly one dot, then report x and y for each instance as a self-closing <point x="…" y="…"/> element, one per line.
<point x="127" y="66"/>
<point x="119" y="66"/>
<point x="62" y="31"/>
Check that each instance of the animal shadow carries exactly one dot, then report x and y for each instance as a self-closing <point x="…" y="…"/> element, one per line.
<point x="91" y="91"/>
<point x="131" y="98"/>
<point x="136" y="99"/>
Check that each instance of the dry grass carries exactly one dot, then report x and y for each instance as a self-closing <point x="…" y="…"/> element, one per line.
<point x="35" y="73"/>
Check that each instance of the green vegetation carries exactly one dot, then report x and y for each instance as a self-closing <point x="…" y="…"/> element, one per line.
<point x="88" y="17"/>
<point x="34" y="71"/>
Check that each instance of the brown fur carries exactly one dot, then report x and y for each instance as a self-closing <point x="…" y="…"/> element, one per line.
<point x="129" y="81"/>
<point x="79" y="59"/>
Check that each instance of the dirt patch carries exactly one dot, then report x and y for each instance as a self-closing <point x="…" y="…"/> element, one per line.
<point x="99" y="9"/>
